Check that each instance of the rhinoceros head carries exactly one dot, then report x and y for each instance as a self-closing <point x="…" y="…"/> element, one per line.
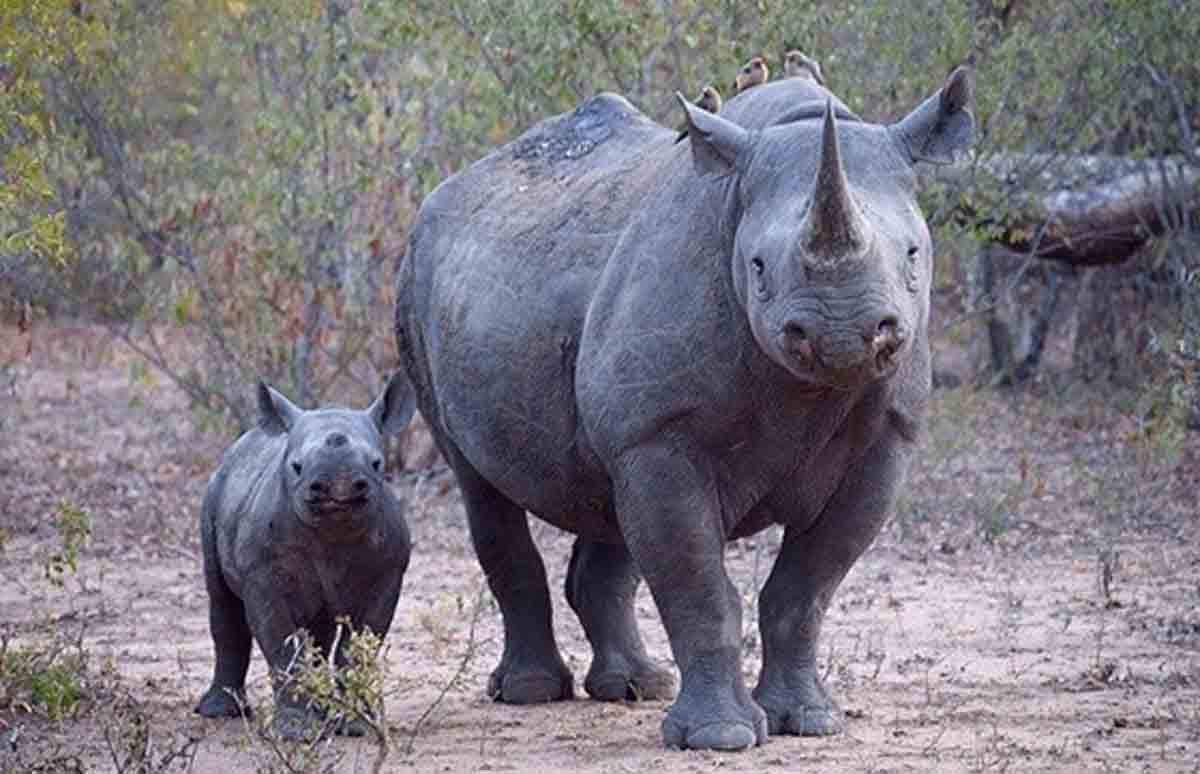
<point x="831" y="255"/>
<point x="333" y="467"/>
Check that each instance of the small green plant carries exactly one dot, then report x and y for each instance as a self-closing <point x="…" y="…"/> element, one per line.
<point x="58" y="689"/>
<point x="74" y="526"/>
<point x="344" y="690"/>
<point x="48" y="679"/>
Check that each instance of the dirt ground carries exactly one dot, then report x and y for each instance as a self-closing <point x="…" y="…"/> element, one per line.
<point x="1033" y="606"/>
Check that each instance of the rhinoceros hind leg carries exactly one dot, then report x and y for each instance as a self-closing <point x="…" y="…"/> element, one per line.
<point x="531" y="669"/>
<point x="601" y="588"/>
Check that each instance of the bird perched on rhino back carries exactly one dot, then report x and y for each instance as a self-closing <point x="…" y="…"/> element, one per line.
<point x="753" y="73"/>
<point x="798" y="65"/>
<point x="710" y="100"/>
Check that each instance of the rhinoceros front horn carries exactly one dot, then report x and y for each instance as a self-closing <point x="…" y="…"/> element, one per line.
<point x="833" y="226"/>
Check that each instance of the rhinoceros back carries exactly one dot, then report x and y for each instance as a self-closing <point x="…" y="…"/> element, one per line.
<point x="783" y="101"/>
<point x="493" y="291"/>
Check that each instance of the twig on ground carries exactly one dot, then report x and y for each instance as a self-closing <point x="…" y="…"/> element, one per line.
<point x="468" y="655"/>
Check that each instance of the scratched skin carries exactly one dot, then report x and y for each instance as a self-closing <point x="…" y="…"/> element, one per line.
<point x="662" y="347"/>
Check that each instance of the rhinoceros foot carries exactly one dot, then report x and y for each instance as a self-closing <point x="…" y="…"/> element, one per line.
<point x="296" y="724"/>
<point x="801" y="707"/>
<point x="534" y="686"/>
<point x="729" y="728"/>
<point x="355" y="726"/>
<point x="626" y="682"/>
<point x="221" y="702"/>
<point x="805" y="721"/>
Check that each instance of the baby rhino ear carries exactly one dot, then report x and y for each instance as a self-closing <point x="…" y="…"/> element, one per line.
<point x="942" y="125"/>
<point x="276" y="414"/>
<point x="392" y="410"/>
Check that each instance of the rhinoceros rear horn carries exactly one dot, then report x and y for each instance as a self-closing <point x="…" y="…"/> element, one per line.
<point x="833" y="225"/>
<point x="942" y="125"/>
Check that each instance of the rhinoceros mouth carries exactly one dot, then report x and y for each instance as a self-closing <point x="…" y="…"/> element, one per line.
<point x="813" y="380"/>
<point x="337" y="504"/>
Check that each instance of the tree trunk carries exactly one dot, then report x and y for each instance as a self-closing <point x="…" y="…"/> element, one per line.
<point x="1018" y="301"/>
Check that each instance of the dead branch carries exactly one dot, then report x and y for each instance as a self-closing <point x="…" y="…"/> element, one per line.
<point x="1084" y="210"/>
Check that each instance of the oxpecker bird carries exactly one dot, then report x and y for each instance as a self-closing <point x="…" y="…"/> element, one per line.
<point x="752" y="74"/>
<point x="797" y="65"/>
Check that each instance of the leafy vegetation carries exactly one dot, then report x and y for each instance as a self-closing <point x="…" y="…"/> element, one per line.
<point x="74" y="527"/>
<point x="47" y="678"/>
<point x="227" y="183"/>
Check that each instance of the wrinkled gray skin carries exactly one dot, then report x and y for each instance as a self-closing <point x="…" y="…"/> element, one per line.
<point x="299" y="528"/>
<point x="664" y="347"/>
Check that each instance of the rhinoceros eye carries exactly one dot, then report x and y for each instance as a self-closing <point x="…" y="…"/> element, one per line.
<point x="297" y="467"/>
<point x="761" y="288"/>
<point x="911" y="269"/>
<point x="377" y="464"/>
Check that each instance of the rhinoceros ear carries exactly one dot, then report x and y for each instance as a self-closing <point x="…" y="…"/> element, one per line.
<point x="718" y="145"/>
<point x="276" y="414"/>
<point x="391" y="410"/>
<point x="942" y="125"/>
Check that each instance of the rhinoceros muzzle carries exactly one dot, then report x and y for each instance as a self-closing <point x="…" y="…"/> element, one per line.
<point x="845" y="356"/>
<point x="340" y="491"/>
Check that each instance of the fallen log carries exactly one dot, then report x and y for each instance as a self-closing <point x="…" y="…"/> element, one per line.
<point x="1084" y="210"/>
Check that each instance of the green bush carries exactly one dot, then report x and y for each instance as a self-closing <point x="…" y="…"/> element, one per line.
<point x="228" y="183"/>
<point x="49" y="678"/>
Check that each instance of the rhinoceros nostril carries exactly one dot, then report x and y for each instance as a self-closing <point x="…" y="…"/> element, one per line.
<point x="360" y="486"/>
<point x="795" y="331"/>
<point x="796" y="341"/>
<point x="887" y="335"/>
<point x="318" y="488"/>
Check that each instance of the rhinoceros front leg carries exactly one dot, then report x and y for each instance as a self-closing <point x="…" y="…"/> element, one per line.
<point x="670" y="515"/>
<point x="377" y="618"/>
<point x="601" y="588"/>
<point x="226" y="697"/>
<point x="531" y="669"/>
<point x="274" y="627"/>
<point x="810" y="566"/>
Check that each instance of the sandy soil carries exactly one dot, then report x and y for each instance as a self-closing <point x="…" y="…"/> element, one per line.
<point x="982" y="632"/>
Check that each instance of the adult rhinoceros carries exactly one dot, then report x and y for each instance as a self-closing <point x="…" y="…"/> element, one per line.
<point x="665" y="347"/>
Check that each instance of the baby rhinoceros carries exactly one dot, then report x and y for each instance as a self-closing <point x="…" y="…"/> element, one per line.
<point x="299" y="529"/>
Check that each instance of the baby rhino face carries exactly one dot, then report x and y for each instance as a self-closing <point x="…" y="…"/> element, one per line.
<point x="333" y="468"/>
